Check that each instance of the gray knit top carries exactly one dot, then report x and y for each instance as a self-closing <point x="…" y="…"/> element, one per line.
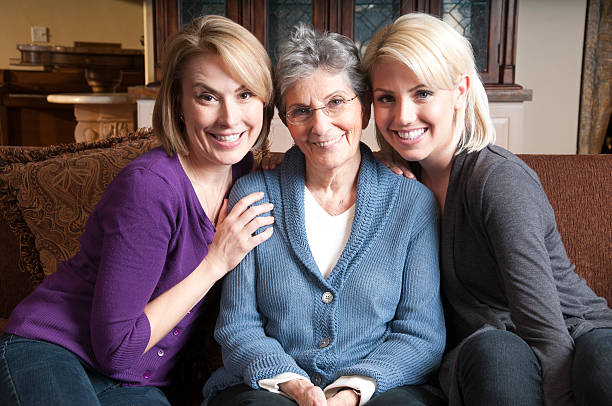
<point x="504" y="266"/>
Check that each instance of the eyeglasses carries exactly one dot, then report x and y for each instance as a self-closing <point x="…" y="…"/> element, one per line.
<point x="303" y="114"/>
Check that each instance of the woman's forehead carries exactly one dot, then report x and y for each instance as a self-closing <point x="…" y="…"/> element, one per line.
<point x="321" y="84"/>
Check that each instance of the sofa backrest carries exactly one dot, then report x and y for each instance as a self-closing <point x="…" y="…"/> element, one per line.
<point x="579" y="188"/>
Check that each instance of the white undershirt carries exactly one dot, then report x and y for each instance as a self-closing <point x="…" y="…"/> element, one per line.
<point x="327" y="235"/>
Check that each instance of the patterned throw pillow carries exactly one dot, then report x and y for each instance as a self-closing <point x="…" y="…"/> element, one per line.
<point x="47" y="193"/>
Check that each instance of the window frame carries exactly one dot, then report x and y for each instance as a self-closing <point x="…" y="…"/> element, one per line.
<point x="338" y="16"/>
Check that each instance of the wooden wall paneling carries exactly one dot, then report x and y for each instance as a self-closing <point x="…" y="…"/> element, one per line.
<point x="166" y="19"/>
<point x="251" y="14"/>
<point x="423" y="6"/>
<point x="491" y="74"/>
<point x="508" y="50"/>
<point x="334" y="16"/>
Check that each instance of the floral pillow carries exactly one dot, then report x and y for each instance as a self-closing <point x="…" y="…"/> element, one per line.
<point x="47" y="193"/>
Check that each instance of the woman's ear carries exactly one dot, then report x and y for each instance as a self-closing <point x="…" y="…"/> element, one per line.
<point x="462" y="91"/>
<point x="366" y="109"/>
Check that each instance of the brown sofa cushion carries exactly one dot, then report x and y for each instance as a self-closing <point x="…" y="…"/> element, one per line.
<point x="46" y="194"/>
<point x="580" y="191"/>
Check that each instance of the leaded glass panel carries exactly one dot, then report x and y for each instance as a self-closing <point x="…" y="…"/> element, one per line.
<point x="191" y="9"/>
<point x="370" y="16"/>
<point x="471" y="19"/>
<point x="282" y="16"/>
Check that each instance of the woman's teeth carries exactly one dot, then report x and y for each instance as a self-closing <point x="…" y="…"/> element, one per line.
<point x="411" y="135"/>
<point x="328" y="143"/>
<point x="228" y="138"/>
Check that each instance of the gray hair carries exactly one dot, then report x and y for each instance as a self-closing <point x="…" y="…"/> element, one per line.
<point x="306" y="51"/>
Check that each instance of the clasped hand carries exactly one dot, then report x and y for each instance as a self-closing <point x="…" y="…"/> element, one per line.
<point x="307" y="394"/>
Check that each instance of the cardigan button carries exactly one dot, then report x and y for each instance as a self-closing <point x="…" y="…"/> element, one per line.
<point x="327" y="297"/>
<point x="161" y="352"/>
<point x="147" y="374"/>
<point x="176" y="331"/>
<point x="324" y="342"/>
<point x="316" y="380"/>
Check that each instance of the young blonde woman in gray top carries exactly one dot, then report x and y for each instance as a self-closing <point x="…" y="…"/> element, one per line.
<point x="523" y="328"/>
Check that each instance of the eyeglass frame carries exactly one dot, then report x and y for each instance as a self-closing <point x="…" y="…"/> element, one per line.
<point x="313" y="109"/>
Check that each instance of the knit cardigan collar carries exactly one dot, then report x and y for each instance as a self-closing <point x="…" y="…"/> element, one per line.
<point x="369" y="212"/>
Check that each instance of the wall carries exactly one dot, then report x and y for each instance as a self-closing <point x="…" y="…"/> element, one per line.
<point x="119" y="21"/>
<point x="549" y="61"/>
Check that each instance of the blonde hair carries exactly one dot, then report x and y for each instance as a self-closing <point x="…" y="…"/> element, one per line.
<point x="242" y="54"/>
<point x="439" y="56"/>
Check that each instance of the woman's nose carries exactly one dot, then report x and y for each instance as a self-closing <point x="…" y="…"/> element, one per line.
<point x="320" y="122"/>
<point x="229" y="114"/>
<point x="406" y="112"/>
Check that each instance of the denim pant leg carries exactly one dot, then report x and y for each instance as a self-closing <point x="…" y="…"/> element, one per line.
<point x="111" y="392"/>
<point x="592" y="368"/>
<point x="497" y="367"/>
<point x="34" y="372"/>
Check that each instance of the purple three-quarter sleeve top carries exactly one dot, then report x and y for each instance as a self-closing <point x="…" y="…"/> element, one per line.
<point x="147" y="233"/>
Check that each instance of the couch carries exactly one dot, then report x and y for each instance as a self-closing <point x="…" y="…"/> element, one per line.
<point x="47" y="193"/>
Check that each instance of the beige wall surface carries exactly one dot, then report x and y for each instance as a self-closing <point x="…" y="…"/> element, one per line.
<point x="119" y="21"/>
<point x="549" y="61"/>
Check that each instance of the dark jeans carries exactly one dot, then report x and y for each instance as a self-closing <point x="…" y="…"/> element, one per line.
<point x="498" y="368"/>
<point x="592" y="368"/>
<point x="34" y="372"/>
<point x="243" y="395"/>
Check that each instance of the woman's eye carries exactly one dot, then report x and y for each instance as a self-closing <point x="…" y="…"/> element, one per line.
<point x="385" y="98"/>
<point x="245" y="95"/>
<point x="205" y="97"/>
<point x="300" y="111"/>
<point x="423" y="94"/>
<point x="335" y="103"/>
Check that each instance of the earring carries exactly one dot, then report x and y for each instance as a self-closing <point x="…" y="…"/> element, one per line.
<point x="181" y="118"/>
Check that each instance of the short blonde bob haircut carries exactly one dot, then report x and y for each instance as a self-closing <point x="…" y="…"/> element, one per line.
<point x="439" y="56"/>
<point x="244" y="57"/>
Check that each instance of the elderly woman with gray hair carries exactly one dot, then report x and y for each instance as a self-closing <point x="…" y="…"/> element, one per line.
<point x="341" y="306"/>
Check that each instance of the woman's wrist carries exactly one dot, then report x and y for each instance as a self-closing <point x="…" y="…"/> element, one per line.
<point x="294" y="387"/>
<point x="211" y="267"/>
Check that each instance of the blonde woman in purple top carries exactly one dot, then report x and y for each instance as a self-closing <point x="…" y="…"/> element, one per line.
<point x="107" y="326"/>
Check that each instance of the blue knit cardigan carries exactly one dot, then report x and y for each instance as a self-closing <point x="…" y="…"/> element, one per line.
<point x="379" y="312"/>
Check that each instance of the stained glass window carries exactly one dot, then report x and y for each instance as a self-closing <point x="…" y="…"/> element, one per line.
<point x="370" y="16"/>
<point x="191" y="9"/>
<point x="282" y="16"/>
<point x="470" y="18"/>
